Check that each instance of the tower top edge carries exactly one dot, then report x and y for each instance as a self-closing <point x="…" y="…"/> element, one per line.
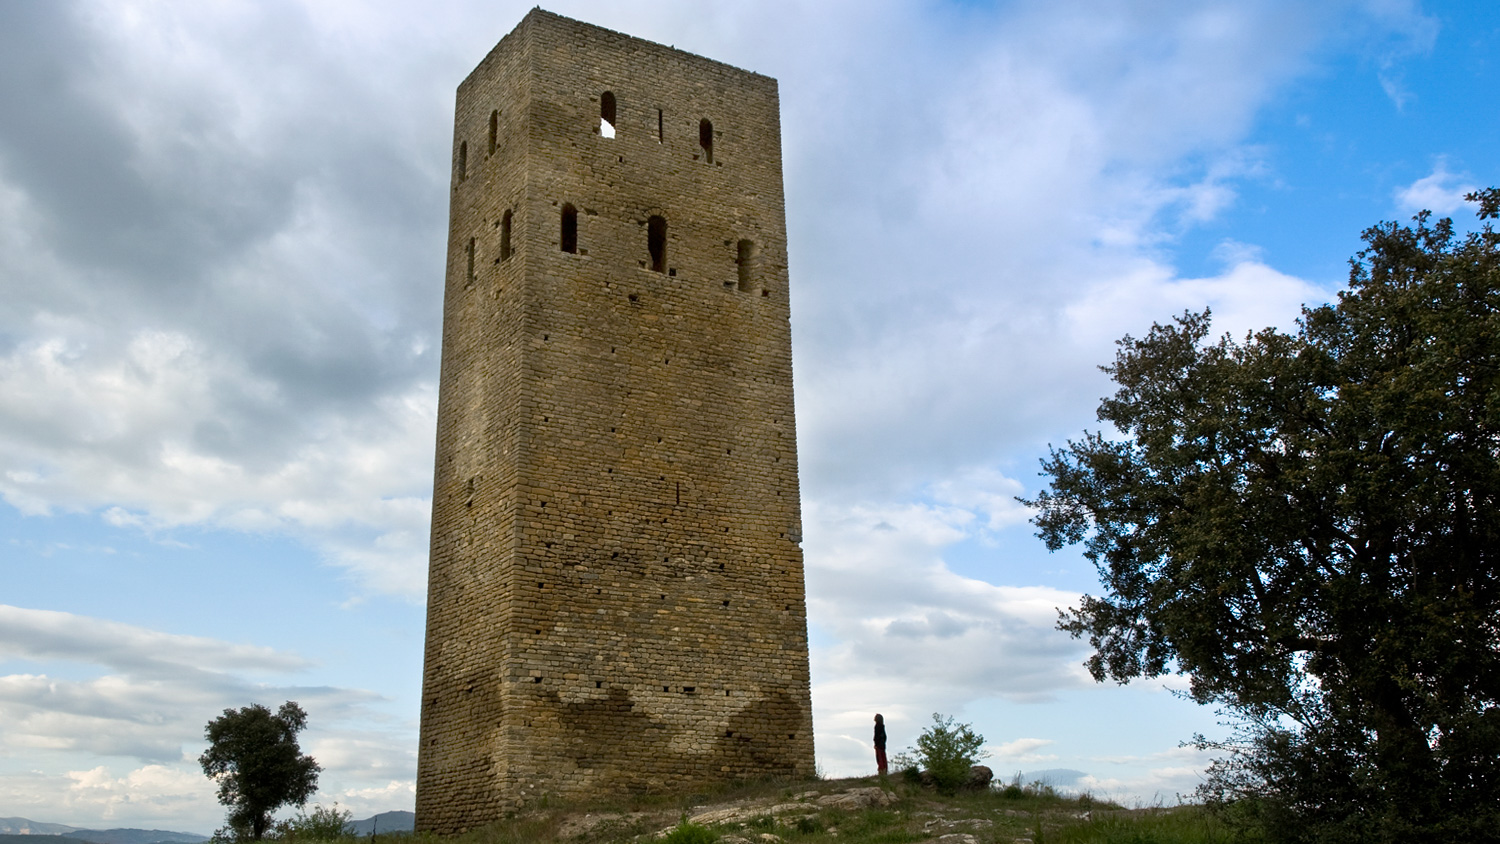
<point x="539" y="19"/>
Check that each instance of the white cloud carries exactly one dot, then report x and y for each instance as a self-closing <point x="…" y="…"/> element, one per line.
<point x="912" y="634"/>
<point x="154" y="795"/>
<point x="1022" y="751"/>
<point x="140" y="434"/>
<point x="45" y="634"/>
<point x="1249" y="296"/>
<point x="149" y="705"/>
<point x="1440" y="192"/>
<point x="1164" y="778"/>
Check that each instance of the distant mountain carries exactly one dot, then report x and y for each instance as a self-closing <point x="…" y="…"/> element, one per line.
<point x="23" y="831"/>
<point x="381" y="823"/>
<point x="21" y="826"/>
<point x="134" y="836"/>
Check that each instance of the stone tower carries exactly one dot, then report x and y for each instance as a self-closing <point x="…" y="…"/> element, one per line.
<point x="616" y="594"/>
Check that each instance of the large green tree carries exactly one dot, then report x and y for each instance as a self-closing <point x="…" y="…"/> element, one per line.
<point x="254" y="756"/>
<point x="1307" y="525"/>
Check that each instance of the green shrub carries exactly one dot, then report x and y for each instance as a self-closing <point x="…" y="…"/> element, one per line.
<point x="688" y="832"/>
<point x="948" y="751"/>
<point x="323" y="823"/>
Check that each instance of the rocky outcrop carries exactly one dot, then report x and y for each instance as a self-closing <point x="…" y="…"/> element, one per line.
<point x="980" y="777"/>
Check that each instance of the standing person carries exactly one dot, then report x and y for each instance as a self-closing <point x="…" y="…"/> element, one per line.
<point x="880" y="743"/>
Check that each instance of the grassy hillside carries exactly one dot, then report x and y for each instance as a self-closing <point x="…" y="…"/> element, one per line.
<point x="857" y="811"/>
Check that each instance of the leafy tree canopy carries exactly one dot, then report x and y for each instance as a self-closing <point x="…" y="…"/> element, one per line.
<point x="1307" y="525"/>
<point x="947" y="751"/>
<point x="254" y="757"/>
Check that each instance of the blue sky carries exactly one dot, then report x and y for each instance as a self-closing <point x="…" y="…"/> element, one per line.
<point x="221" y="256"/>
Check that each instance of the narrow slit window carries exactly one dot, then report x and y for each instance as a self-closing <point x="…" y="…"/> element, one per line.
<point x="469" y="251"/>
<point x="656" y="242"/>
<point x="505" y="236"/>
<point x="746" y="260"/>
<point x="607" y="114"/>
<point x="706" y="139"/>
<point x="660" y="134"/>
<point x="494" y="129"/>
<point x="569" y="228"/>
<point x="463" y="161"/>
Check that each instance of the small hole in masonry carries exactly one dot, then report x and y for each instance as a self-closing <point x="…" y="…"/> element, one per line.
<point x="687" y="690"/>
<point x="536" y="679"/>
<point x="726" y="603"/>
<point x="728" y="733"/>
<point x="665" y="689"/>
<point x="598" y="684"/>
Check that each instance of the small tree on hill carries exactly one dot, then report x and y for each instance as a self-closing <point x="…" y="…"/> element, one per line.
<point x="947" y="751"/>
<point x="254" y="757"/>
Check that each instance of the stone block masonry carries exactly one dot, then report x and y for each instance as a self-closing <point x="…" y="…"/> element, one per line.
<point x="616" y="592"/>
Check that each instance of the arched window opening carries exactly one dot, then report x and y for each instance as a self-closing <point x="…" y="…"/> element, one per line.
<point x="656" y="242"/>
<point x="463" y="161"/>
<point x="607" y="114"/>
<point x="746" y="261"/>
<point x="706" y="139"/>
<point x="569" y="228"/>
<point x="494" y="129"/>
<point x="505" y="237"/>
<point x="469" y="273"/>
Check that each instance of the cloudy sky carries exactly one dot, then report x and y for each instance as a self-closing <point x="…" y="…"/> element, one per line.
<point x="222" y="233"/>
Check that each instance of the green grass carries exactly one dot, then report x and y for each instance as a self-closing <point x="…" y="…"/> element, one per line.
<point x="1180" y="825"/>
<point x="998" y="816"/>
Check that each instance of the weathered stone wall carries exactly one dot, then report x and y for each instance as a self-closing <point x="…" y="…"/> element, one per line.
<point x="616" y="593"/>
